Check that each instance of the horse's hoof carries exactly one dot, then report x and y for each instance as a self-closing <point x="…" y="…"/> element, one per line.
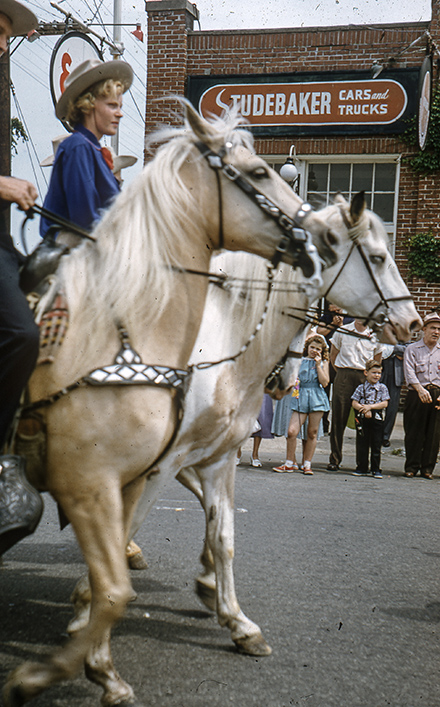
<point x="206" y="595"/>
<point x="137" y="562"/>
<point x="253" y="645"/>
<point x="13" y="695"/>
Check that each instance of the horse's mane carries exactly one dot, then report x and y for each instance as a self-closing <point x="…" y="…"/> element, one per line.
<point x="127" y="274"/>
<point x="236" y="309"/>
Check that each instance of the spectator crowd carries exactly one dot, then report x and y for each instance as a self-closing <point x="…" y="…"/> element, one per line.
<point x="347" y="378"/>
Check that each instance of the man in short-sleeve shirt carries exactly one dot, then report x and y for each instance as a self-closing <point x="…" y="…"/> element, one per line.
<point x="348" y="355"/>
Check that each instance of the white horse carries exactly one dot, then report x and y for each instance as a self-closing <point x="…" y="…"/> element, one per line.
<point x="103" y="441"/>
<point x="223" y="400"/>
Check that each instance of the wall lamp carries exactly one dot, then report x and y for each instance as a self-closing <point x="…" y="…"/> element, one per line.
<point x="289" y="171"/>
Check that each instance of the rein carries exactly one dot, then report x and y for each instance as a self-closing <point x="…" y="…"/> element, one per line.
<point x="57" y="220"/>
<point x="209" y="364"/>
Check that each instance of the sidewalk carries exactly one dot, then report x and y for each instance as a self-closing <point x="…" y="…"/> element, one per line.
<point x="273" y="453"/>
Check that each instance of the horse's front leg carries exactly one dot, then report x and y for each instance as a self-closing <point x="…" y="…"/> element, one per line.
<point x="89" y="504"/>
<point x="218" y="492"/>
<point x="99" y="666"/>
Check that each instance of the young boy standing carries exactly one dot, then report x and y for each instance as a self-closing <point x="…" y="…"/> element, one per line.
<point x="369" y="401"/>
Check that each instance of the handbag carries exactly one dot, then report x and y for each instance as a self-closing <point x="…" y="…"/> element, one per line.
<point x="355" y="419"/>
<point x="350" y="422"/>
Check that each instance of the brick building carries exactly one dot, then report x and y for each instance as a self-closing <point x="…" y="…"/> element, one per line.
<point x="344" y="153"/>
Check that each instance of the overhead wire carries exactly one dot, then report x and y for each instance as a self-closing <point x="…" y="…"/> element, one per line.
<point x="29" y="140"/>
<point x="44" y="47"/>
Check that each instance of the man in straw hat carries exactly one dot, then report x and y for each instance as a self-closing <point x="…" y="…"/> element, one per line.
<point x="82" y="183"/>
<point x="421" y="416"/>
<point x="20" y="505"/>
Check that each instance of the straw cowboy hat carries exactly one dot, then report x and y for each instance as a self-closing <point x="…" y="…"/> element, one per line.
<point x="22" y="19"/>
<point x="119" y="161"/>
<point x="89" y="73"/>
<point x="56" y="142"/>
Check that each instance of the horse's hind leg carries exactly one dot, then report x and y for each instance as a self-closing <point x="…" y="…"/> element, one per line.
<point x="205" y="582"/>
<point x="96" y="515"/>
<point x="218" y="491"/>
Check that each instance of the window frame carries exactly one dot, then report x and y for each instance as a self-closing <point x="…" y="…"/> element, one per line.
<point x="303" y="163"/>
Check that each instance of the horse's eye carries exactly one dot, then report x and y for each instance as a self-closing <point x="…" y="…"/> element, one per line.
<point x="260" y="173"/>
<point x="377" y="259"/>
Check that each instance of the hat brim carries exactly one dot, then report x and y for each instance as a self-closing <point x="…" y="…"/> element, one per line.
<point x="48" y="161"/>
<point x="117" y="70"/>
<point x="22" y="19"/>
<point x="123" y="161"/>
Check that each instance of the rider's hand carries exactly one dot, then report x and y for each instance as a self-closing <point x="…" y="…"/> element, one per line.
<point x="18" y="191"/>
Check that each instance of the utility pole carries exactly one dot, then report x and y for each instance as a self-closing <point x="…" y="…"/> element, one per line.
<point x="117" y="53"/>
<point x="5" y="133"/>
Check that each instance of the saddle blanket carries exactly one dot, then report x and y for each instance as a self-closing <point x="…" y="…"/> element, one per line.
<point x="53" y="327"/>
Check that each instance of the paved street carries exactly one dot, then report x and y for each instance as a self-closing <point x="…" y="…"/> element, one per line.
<point x="341" y="573"/>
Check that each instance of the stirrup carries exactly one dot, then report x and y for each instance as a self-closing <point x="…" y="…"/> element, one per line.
<point x="21" y="506"/>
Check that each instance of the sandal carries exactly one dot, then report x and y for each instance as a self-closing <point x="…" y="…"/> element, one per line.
<point x="285" y="467"/>
<point x="255" y="463"/>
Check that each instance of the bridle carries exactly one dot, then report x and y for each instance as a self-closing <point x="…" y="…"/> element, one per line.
<point x="294" y="239"/>
<point x="354" y="233"/>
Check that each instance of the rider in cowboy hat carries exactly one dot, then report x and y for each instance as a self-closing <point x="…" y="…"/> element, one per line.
<point x="20" y="505"/>
<point x="82" y="183"/>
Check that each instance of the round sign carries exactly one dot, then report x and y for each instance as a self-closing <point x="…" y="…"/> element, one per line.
<point x="71" y="50"/>
<point x="424" y="101"/>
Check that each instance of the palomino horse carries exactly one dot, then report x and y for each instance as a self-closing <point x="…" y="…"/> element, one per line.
<point x="205" y="188"/>
<point x="224" y="399"/>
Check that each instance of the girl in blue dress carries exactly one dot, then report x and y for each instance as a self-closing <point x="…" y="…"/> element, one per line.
<point x="310" y="404"/>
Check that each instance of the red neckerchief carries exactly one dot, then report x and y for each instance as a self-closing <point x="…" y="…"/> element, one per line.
<point x="107" y="155"/>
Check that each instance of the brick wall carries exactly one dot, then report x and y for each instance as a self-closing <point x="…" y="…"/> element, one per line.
<point x="176" y="51"/>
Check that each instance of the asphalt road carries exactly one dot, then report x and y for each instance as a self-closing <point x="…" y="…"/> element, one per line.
<point x="341" y="573"/>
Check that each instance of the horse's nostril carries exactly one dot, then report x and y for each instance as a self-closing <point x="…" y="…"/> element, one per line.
<point x="331" y="238"/>
<point x="415" y="325"/>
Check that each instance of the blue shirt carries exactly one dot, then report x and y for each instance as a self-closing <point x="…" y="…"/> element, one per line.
<point x="81" y="184"/>
<point x="371" y="393"/>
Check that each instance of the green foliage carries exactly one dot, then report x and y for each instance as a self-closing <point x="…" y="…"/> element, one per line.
<point x="17" y="133"/>
<point x="424" y="256"/>
<point x="428" y="160"/>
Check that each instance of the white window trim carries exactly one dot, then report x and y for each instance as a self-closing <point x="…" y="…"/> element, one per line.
<point x="302" y="162"/>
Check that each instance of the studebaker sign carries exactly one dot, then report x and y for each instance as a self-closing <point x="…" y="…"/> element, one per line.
<point x="338" y="104"/>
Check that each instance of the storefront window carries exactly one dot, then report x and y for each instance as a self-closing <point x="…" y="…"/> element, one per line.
<point x="319" y="181"/>
<point x="377" y="179"/>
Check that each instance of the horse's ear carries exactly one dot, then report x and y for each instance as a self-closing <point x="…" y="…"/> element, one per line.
<point x="357" y="206"/>
<point x="339" y="199"/>
<point x="200" y="127"/>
